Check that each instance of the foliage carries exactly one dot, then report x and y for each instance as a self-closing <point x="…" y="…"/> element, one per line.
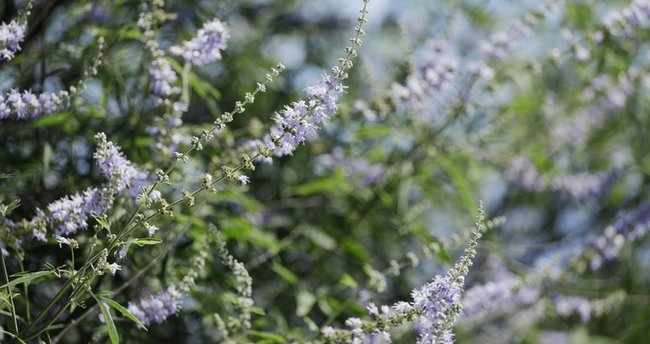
<point x="286" y="171"/>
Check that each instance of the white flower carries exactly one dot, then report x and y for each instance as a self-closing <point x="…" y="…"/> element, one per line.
<point x="112" y="268"/>
<point x="66" y="241"/>
<point x="328" y="331"/>
<point x="243" y="179"/>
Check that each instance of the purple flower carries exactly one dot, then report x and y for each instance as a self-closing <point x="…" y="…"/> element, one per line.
<point x="99" y="14"/>
<point x="162" y="79"/>
<point x="299" y="122"/>
<point x="27" y="105"/>
<point x="623" y="22"/>
<point x="630" y="226"/>
<point x="205" y="47"/>
<point x="157" y="308"/>
<point x="567" y="305"/>
<point x="113" y="164"/>
<point x="11" y="35"/>
<point x="577" y="187"/>
<point x="433" y="75"/>
<point x="362" y="171"/>
<point x="70" y="213"/>
<point x="438" y="300"/>
<point x="493" y="294"/>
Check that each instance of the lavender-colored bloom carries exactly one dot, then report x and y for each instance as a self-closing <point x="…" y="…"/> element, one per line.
<point x="162" y="79"/>
<point x="27" y="105"/>
<point x="623" y="22"/>
<point x="437" y="300"/>
<point x="206" y="46"/>
<point x="11" y="35"/>
<point x="582" y="186"/>
<point x="434" y="74"/>
<point x="299" y="122"/>
<point x="113" y="164"/>
<point x="577" y="187"/>
<point x="501" y="291"/>
<point x="567" y="305"/>
<point x="70" y="213"/>
<point x="359" y="170"/>
<point x="587" y="308"/>
<point x="613" y="95"/>
<point x="629" y="226"/>
<point x="99" y="14"/>
<point x="500" y="43"/>
<point x="157" y="308"/>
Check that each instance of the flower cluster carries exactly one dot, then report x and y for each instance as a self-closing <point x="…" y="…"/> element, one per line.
<point x="577" y="187"/>
<point x="435" y="307"/>
<point x="206" y="46"/>
<point x="505" y="290"/>
<point x="26" y="105"/>
<point x="112" y="163"/>
<point x="163" y="78"/>
<point x="11" y="35"/>
<point x="439" y="301"/>
<point x="610" y="95"/>
<point x="299" y="122"/>
<point x="630" y="226"/>
<point x="70" y="214"/>
<point x="623" y="22"/>
<point x="157" y="308"/>
<point x="434" y="74"/>
<point x="360" y="170"/>
<point x="586" y="308"/>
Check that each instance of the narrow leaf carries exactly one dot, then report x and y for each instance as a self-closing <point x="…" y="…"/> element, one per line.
<point x="25" y="278"/>
<point x="124" y="312"/>
<point x="110" y="325"/>
<point x="147" y="241"/>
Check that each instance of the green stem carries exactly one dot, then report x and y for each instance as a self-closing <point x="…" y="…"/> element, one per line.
<point x="11" y="295"/>
<point x="56" y="299"/>
<point x="25" y="287"/>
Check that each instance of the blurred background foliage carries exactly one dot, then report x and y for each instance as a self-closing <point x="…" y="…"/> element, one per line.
<point x="322" y="231"/>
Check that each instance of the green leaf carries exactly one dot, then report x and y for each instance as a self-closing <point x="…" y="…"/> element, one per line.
<point x="348" y="281"/>
<point x="461" y="182"/>
<point x="25" y="278"/>
<point x="379" y="130"/>
<point x="124" y="311"/>
<point x="270" y="337"/>
<point x="201" y="87"/>
<point x="103" y="221"/>
<point x="143" y="142"/>
<point x="6" y="209"/>
<point x="108" y="318"/>
<point x="335" y="182"/>
<point x="47" y="156"/>
<point x="147" y="241"/>
<point x="352" y="247"/>
<point x="320" y="238"/>
<point x="257" y="311"/>
<point x="304" y="302"/>
<point x="48" y="121"/>
<point x="287" y="275"/>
